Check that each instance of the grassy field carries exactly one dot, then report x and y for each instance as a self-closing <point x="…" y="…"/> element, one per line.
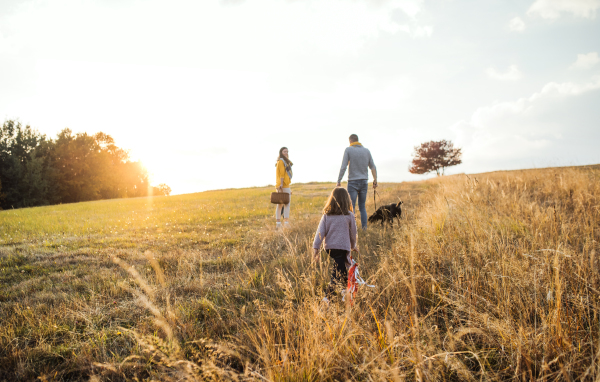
<point x="488" y="277"/>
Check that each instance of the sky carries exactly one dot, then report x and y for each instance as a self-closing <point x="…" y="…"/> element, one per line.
<point x="205" y="93"/>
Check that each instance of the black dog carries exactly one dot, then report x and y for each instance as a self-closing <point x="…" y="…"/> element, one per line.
<point x="387" y="213"/>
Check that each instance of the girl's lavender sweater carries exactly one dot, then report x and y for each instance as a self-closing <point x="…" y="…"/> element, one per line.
<point x="337" y="231"/>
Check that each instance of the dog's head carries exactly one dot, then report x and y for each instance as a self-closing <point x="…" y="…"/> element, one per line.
<point x="396" y="208"/>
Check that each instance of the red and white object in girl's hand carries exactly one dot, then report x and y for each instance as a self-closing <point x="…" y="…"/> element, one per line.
<point x="354" y="280"/>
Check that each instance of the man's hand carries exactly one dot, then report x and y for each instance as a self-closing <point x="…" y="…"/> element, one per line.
<point x="339" y="184"/>
<point x="316" y="255"/>
<point x="374" y="184"/>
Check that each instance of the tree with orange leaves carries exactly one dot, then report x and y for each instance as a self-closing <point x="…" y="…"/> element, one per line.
<point x="434" y="156"/>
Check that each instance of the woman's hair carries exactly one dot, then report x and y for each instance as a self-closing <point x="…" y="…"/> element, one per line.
<point x="338" y="202"/>
<point x="286" y="159"/>
<point x="281" y="152"/>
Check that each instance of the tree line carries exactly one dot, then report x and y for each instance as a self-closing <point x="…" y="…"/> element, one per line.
<point x="36" y="170"/>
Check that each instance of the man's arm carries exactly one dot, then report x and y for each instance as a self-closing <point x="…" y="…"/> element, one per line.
<point x="343" y="168"/>
<point x="373" y="170"/>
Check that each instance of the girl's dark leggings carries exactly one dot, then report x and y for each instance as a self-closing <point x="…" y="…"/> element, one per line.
<point x="339" y="273"/>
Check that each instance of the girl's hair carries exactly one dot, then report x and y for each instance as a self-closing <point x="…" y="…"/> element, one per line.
<point x="338" y="202"/>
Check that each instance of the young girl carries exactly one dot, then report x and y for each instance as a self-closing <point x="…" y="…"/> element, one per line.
<point x="337" y="230"/>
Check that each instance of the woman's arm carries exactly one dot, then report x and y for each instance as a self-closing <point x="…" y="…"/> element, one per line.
<point x="280" y="175"/>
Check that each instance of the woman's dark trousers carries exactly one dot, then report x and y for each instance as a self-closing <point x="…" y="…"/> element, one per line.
<point x="339" y="273"/>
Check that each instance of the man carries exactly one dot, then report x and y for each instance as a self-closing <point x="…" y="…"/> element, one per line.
<point x="359" y="159"/>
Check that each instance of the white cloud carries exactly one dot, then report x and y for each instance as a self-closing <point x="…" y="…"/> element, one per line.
<point x="415" y="31"/>
<point x="410" y="7"/>
<point x="513" y="74"/>
<point x="7" y="46"/>
<point x="552" y="9"/>
<point x="411" y="23"/>
<point x="567" y="89"/>
<point x="538" y="127"/>
<point x="484" y="115"/>
<point x="516" y="24"/>
<point x="334" y="26"/>
<point x="586" y="61"/>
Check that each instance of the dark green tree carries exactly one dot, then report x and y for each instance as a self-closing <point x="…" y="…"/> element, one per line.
<point x="35" y="170"/>
<point x="21" y="178"/>
<point x="35" y="185"/>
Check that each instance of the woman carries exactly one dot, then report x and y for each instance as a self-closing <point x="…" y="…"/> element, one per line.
<point x="337" y="233"/>
<point x="284" y="179"/>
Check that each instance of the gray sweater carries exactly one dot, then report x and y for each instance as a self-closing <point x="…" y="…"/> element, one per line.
<point x="360" y="161"/>
<point x="337" y="232"/>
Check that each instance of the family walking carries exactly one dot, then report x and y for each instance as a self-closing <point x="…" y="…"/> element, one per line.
<point x="357" y="159"/>
<point x="337" y="231"/>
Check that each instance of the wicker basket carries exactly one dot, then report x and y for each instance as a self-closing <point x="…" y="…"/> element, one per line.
<point x="280" y="198"/>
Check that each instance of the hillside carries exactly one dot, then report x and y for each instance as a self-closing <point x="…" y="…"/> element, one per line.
<point x="489" y="276"/>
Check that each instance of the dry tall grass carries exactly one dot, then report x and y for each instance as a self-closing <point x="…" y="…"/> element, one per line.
<point x="489" y="277"/>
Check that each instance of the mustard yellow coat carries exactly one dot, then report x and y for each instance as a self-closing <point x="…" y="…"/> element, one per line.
<point x="281" y="173"/>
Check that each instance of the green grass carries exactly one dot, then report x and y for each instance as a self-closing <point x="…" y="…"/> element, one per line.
<point x="182" y="220"/>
